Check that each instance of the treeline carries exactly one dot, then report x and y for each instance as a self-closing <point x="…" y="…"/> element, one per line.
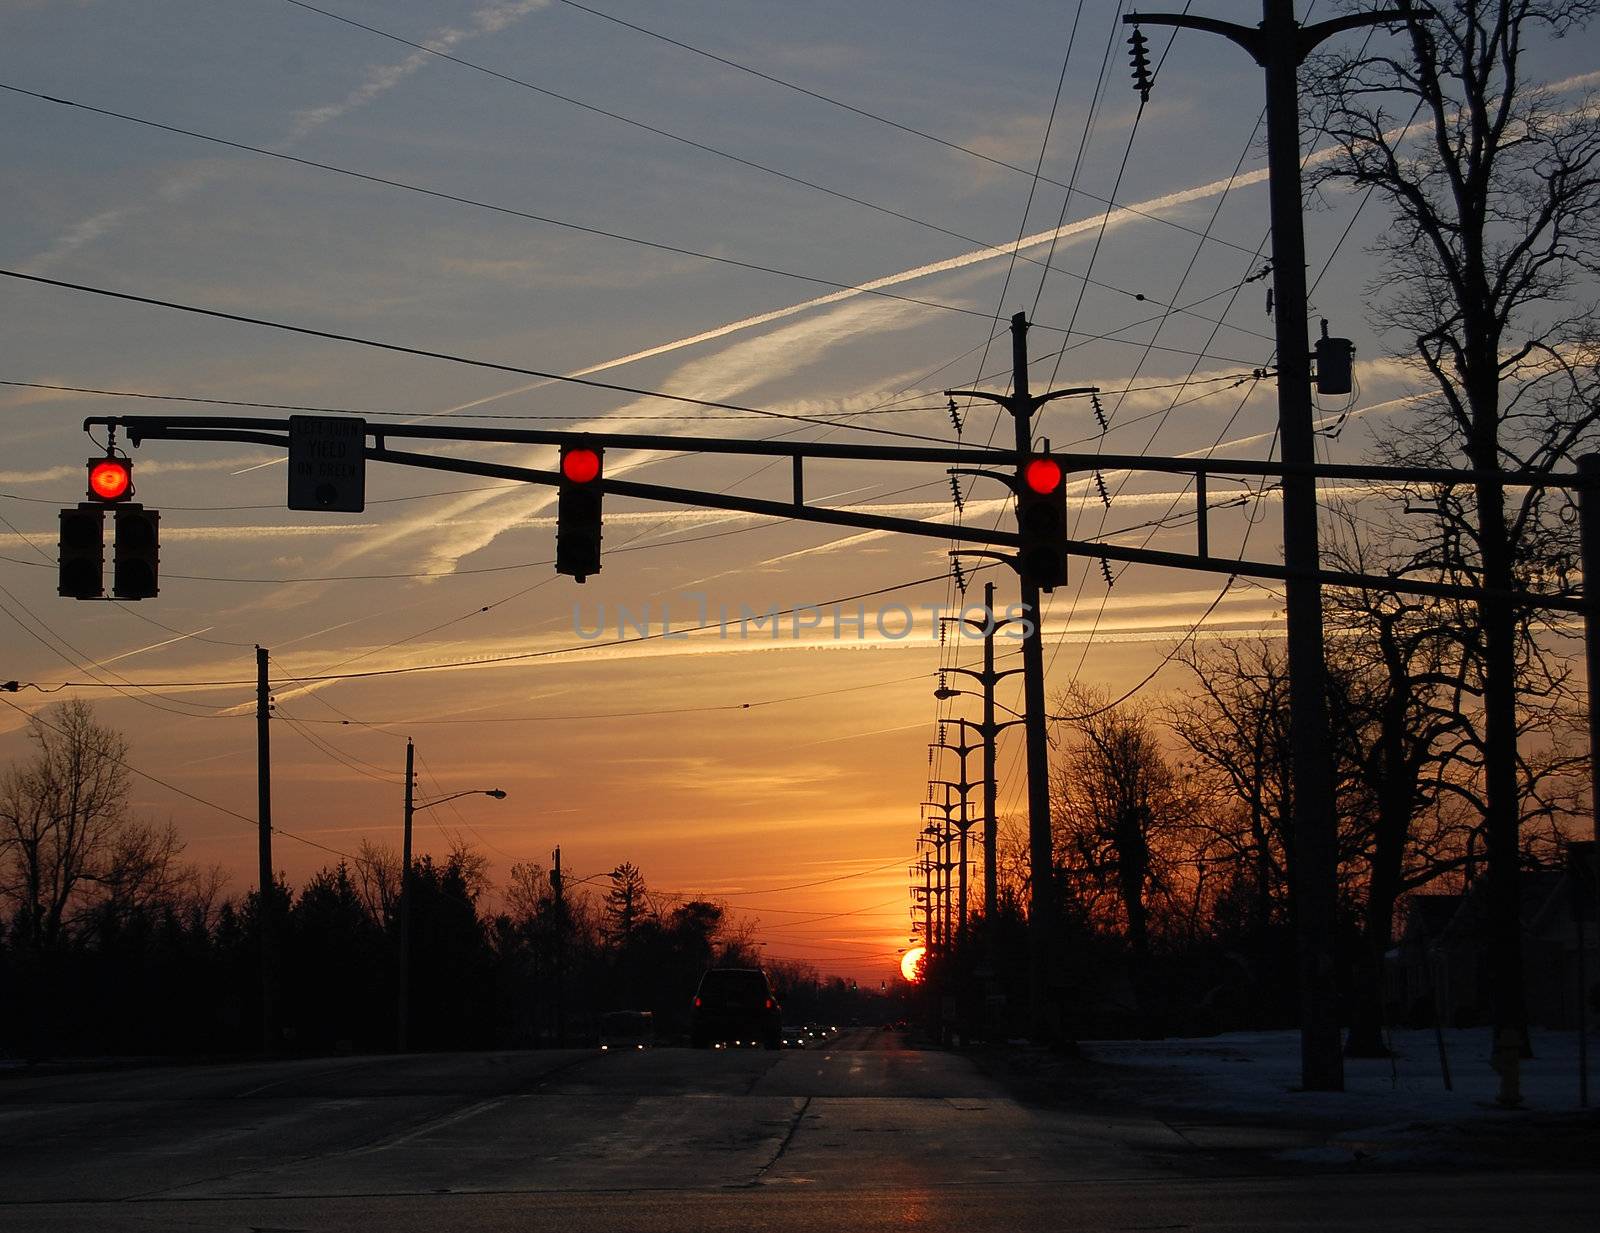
<point x="1173" y="826"/>
<point x="112" y="944"/>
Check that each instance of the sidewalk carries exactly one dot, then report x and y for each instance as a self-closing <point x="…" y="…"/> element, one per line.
<point x="1238" y="1094"/>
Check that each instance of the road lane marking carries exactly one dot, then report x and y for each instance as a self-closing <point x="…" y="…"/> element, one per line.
<point x="450" y="1119"/>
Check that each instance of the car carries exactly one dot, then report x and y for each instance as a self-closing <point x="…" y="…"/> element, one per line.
<point x="627" y="1029"/>
<point x="795" y="1036"/>
<point x="735" y="1006"/>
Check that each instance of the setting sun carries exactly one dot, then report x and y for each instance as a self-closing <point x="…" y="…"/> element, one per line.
<point x="911" y="963"/>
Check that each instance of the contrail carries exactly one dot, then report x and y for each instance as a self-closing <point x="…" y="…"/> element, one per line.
<point x="380" y="79"/>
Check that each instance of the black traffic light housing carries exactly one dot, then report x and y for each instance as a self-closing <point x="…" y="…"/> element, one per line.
<point x="82" y="552"/>
<point x="1042" y="521"/>
<point x="136" y="552"/>
<point x="578" y="511"/>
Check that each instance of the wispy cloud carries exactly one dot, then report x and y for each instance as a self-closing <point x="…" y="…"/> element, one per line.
<point x="378" y="81"/>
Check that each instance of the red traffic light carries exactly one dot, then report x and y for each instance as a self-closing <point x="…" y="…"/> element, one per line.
<point x="110" y="479"/>
<point x="580" y="464"/>
<point x="1042" y="475"/>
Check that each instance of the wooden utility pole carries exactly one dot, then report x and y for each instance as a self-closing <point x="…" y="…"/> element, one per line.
<point x="403" y="1004"/>
<point x="1280" y="45"/>
<point x="266" y="914"/>
<point x="558" y="895"/>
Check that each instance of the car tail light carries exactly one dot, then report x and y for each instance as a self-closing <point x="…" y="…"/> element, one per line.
<point x="769" y="1003"/>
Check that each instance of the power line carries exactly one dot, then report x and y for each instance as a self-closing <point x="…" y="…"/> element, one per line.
<point x="372" y="414"/>
<point x="1109" y="202"/>
<point x="843" y="877"/>
<point x="523" y="656"/>
<point x="444" y="355"/>
<point x="710" y="149"/>
<point x="510" y="211"/>
<point x="33" y="717"/>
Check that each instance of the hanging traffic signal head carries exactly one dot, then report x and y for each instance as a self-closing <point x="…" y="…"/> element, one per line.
<point x="136" y="553"/>
<point x="110" y="479"/>
<point x="82" y="547"/>
<point x="1042" y="521"/>
<point x="578" y="511"/>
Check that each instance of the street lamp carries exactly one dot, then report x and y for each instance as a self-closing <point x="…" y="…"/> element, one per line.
<point x="403" y="1009"/>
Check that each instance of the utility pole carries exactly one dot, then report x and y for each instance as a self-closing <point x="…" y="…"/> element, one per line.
<point x="266" y="920"/>
<point x="1280" y="45"/>
<point x="1041" y="858"/>
<point x="991" y="824"/>
<point x="1589" y="559"/>
<point x="558" y="894"/>
<point x="954" y="819"/>
<point x="403" y="1008"/>
<point x="990" y="731"/>
<point x="962" y="786"/>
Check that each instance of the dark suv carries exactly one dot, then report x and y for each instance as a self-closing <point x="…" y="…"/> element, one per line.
<point x="735" y="1006"/>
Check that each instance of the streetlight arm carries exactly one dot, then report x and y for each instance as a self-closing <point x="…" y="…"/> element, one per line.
<point x="497" y="793"/>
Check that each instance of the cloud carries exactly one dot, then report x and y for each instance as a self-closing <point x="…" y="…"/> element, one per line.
<point x="379" y="81"/>
<point x="724" y="375"/>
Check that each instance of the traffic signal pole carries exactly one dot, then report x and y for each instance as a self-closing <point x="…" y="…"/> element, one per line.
<point x="1041" y="854"/>
<point x="1022" y="405"/>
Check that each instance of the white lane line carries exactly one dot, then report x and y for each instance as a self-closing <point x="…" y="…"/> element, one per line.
<point x="427" y="1128"/>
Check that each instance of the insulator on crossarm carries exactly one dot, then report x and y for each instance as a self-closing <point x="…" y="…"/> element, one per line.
<point x="1105" y="569"/>
<point x="955" y="494"/>
<point x="1100" y="483"/>
<point x="1138" y="48"/>
<point x="1099" y="412"/>
<point x="955" y="416"/>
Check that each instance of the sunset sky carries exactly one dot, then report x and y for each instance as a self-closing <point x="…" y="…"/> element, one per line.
<point x="783" y="774"/>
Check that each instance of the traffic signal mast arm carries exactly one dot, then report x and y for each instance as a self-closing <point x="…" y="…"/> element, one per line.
<point x="273" y="432"/>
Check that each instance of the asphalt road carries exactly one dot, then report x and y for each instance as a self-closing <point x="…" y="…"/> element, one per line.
<point x="862" y="1135"/>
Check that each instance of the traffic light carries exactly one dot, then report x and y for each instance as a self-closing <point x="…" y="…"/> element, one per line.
<point x="110" y="480"/>
<point x="578" y="511"/>
<point x="136" y="552"/>
<point x="1042" y="522"/>
<point x="82" y="549"/>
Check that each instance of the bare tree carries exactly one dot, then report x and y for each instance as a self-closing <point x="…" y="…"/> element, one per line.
<point x="1238" y="732"/>
<point x="63" y="814"/>
<point x="1118" y="807"/>
<point x="377" y="877"/>
<point x="1493" y="190"/>
<point x="528" y="892"/>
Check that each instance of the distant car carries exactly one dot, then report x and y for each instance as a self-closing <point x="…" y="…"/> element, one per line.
<point x="735" y="1006"/>
<point x="795" y="1036"/>
<point x="627" y="1029"/>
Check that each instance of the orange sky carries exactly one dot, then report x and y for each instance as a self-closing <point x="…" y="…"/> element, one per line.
<point x="822" y="775"/>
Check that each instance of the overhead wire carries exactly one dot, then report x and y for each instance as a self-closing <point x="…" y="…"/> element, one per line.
<point x="1109" y="202"/>
<point x="510" y="211"/>
<point x="372" y="413"/>
<point x="425" y="353"/>
<point x="704" y="147"/>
